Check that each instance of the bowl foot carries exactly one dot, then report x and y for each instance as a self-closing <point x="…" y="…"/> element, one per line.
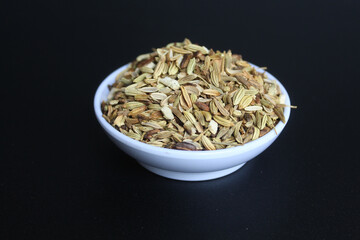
<point x="185" y="176"/>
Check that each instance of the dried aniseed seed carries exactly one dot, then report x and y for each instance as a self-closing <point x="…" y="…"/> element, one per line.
<point x="222" y="132"/>
<point x="159" y="68"/>
<point x="202" y="106"/>
<point x="185" y="61"/>
<point x="221" y="108"/>
<point x="172" y="83"/>
<point x="211" y="92"/>
<point x="191" y="66"/>
<point x="189" y="127"/>
<point x="195" y="48"/>
<point x="207" y="115"/>
<point x="178" y="114"/>
<point x="193" y="98"/>
<point x="185" y="146"/>
<point x="148" y="89"/>
<point x="186" y="97"/>
<point x="222" y="121"/>
<point x="238" y="96"/>
<point x="136" y="111"/>
<point x="213" y="127"/>
<point x="167" y="113"/>
<point x="150" y="133"/>
<point x="192" y="119"/>
<point x="253" y="108"/>
<point x="207" y="143"/>
<point x="132" y="105"/>
<point x="256" y="133"/>
<point x="200" y="117"/>
<point x="245" y="101"/>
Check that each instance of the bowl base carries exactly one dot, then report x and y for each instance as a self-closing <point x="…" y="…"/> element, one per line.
<point x="185" y="176"/>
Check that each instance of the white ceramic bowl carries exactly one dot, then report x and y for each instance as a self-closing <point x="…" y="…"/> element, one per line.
<point x="186" y="165"/>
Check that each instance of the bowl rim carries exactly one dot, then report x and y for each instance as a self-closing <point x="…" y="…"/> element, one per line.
<point x="98" y="98"/>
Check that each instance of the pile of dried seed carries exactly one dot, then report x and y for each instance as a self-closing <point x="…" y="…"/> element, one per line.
<point x="184" y="96"/>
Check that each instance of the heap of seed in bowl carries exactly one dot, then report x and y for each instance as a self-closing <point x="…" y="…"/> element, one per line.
<point x="184" y="96"/>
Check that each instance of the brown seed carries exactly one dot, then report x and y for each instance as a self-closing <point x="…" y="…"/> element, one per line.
<point x="156" y="115"/>
<point x="202" y="106"/>
<point x="185" y="60"/>
<point x="264" y="131"/>
<point x="185" y="146"/>
<point x="178" y="114"/>
<point x="137" y="111"/>
<point x="144" y="62"/>
<point x="150" y="134"/>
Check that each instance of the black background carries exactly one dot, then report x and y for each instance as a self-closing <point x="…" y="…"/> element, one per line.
<point x="62" y="178"/>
